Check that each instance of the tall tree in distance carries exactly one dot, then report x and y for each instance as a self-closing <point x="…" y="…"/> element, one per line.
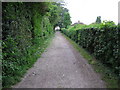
<point x="98" y="20"/>
<point x="65" y="18"/>
<point x="59" y="15"/>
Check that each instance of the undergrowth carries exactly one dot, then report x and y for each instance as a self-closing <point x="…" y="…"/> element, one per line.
<point x="18" y="74"/>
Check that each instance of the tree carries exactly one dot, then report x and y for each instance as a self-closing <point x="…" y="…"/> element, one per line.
<point x="59" y="16"/>
<point x="65" y="18"/>
<point x="98" y="20"/>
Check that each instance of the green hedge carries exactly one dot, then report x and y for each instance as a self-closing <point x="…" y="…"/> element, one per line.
<point x="103" y="41"/>
<point x="25" y="30"/>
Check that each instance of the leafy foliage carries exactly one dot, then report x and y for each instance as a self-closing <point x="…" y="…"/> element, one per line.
<point x="101" y="40"/>
<point x="26" y="27"/>
<point x="98" y="20"/>
<point x="65" y="18"/>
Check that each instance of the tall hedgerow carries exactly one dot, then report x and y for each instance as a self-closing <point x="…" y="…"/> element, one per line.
<point x="25" y="28"/>
<point x="101" y="40"/>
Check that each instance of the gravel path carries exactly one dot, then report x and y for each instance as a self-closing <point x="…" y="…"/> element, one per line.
<point x="61" y="66"/>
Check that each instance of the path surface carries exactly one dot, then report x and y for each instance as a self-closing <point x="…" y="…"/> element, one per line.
<point x="61" y="66"/>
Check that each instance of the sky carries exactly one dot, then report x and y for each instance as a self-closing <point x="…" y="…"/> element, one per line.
<point x="86" y="11"/>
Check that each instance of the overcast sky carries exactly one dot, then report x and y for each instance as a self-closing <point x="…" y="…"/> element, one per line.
<point x="87" y="10"/>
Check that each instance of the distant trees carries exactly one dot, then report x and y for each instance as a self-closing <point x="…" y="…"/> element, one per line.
<point x="59" y="16"/>
<point x="64" y="20"/>
<point x="98" y="20"/>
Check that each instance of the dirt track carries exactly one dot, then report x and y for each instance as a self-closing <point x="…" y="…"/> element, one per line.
<point x="61" y="66"/>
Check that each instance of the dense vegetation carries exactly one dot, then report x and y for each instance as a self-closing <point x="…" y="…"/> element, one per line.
<point x="101" y="40"/>
<point x="26" y="27"/>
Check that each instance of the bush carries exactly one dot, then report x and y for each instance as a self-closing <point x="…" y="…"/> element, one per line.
<point x="101" y="40"/>
<point x="25" y="30"/>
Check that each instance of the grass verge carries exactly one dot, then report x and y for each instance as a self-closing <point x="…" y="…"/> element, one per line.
<point x="106" y="74"/>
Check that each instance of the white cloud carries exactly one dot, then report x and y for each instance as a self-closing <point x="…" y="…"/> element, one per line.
<point x="87" y="10"/>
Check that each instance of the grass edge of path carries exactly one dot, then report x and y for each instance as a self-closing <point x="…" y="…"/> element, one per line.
<point x="109" y="77"/>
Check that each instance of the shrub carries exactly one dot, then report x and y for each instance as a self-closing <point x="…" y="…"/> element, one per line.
<point x="101" y="40"/>
<point x="25" y="30"/>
